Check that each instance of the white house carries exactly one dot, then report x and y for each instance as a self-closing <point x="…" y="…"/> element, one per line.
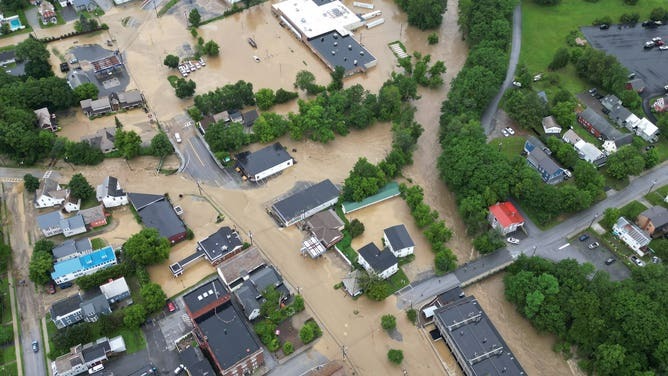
<point x="110" y="194"/>
<point x="382" y="263"/>
<point x="265" y="162"/>
<point x="550" y="125"/>
<point x="398" y="240"/>
<point x="646" y="130"/>
<point x="52" y="195"/>
<point x="632" y="235"/>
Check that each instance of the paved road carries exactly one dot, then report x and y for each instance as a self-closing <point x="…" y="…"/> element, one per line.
<point x="552" y="244"/>
<point x="300" y="364"/>
<point x="489" y="116"/>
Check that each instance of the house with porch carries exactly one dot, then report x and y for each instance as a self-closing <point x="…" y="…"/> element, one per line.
<point x="72" y="248"/>
<point x="47" y="13"/>
<point x="325" y="229"/>
<point x="110" y="194"/>
<point x="82" y="358"/>
<point x="505" y="218"/>
<point x="381" y="263"/>
<point x="654" y="221"/>
<point x="115" y="290"/>
<point x="631" y="235"/>
<point x="54" y="223"/>
<point x="398" y="240"/>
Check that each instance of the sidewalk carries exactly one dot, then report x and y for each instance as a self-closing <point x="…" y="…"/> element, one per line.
<point x="15" y="325"/>
<point x="45" y="342"/>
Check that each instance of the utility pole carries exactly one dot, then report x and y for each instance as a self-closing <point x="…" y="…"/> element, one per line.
<point x="652" y="186"/>
<point x="593" y="220"/>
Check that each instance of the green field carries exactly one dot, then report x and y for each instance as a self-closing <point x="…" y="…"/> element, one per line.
<point x="657" y="196"/>
<point x="511" y="146"/>
<point x="544" y="30"/>
<point x="5" y="310"/>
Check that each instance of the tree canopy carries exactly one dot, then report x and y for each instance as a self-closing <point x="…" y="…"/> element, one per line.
<point x="423" y="14"/>
<point x="80" y="188"/>
<point x="30" y="182"/>
<point x="365" y="179"/>
<point x="160" y="145"/>
<point x="153" y="296"/>
<point x="147" y="247"/>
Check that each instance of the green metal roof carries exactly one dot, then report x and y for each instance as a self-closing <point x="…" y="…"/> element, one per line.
<point x="388" y="191"/>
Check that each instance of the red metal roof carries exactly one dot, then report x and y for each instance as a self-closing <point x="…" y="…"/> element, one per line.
<point x="506" y="213"/>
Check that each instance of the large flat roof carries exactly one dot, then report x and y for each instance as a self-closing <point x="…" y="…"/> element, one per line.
<point x="476" y="339"/>
<point x="342" y="50"/>
<point x="204" y="295"/>
<point x="88" y="261"/>
<point x="305" y="200"/>
<point x="229" y="338"/>
<point x="263" y="159"/>
<point x="313" y="19"/>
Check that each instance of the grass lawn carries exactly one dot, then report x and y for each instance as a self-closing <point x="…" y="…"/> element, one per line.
<point x="134" y="339"/>
<point x="98" y="243"/>
<point x="511" y="146"/>
<point x="8" y="354"/>
<point x="613" y="183"/>
<point x="346" y="249"/>
<point x="544" y="30"/>
<point x="6" y="309"/>
<point x="51" y="331"/>
<point x="397" y="281"/>
<point x="172" y="80"/>
<point x="9" y="369"/>
<point x="632" y="209"/>
<point x="657" y="196"/>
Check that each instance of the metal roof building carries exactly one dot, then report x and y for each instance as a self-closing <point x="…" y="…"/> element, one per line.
<point x="305" y="203"/>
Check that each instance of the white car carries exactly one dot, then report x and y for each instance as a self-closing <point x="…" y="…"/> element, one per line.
<point x="512" y="240"/>
<point x="201" y="61"/>
<point x="538" y="77"/>
<point x="510" y="130"/>
<point x="198" y="65"/>
<point x="504" y="133"/>
<point x="637" y="261"/>
<point x="663" y="48"/>
<point x="257" y="59"/>
<point x="517" y="84"/>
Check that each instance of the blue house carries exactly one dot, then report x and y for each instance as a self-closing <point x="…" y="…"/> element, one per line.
<point x="69" y="270"/>
<point x="538" y="157"/>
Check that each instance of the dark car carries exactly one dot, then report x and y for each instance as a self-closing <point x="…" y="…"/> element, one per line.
<point x="605" y="110"/>
<point x="610" y="260"/>
<point x="51" y="288"/>
<point x="35" y="346"/>
<point x="604" y="26"/>
<point x="583" y="237"/>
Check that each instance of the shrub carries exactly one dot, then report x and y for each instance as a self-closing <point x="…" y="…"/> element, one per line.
<point x="283" y="96"/>
<point x="355" y="228"/>
<point x="411" y="314"/>
<point x="432" y="38"/>
<point x="298" y="303"/>
<point x="309" y="332"/>
<point x="388" y="322"/>
<point x="288" y="348"/>
<point x="395" y="356"/>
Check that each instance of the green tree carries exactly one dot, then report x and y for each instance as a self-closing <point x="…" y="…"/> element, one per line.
<point x="288" y="348"/>
<point x="265" y="98"/>
<point x="171" y="61"/>
<point x="388" y="322"/>
<point x="194" y="18"/>
<point x="609" y="359"/>
<point x="445" y="261"/>
<point x="364" y="180"/>
<point x="127" y="143"/>
<point x="160" y="145"/>
<point x="304" y="80"/>
<point x="153" y="296"/>
<point x="626" y="161"/>
<point x="651" y="158"/>
<point x="610" y="216"/>
<point x="658" y="14"/>
<point x="38" y="69"/>
<point x="30" y="183"/>
<point x="86" y="91"/>
<point x="284" y="96"/>
<point x="412" y="315"/>
<point x="5" y="29"/>
<point x="147" y="247"/>
<point x="395" y="356"/>
<point x="560" y="59"/>
<point x="80" y="188"/>
<point x="298" y="303"/>
<point x="41" y="265"/>
<point x="32" y="49"/>
<point x="432" y="38"/>
<point x="134" y="316"/>
<point x="82" y="153"/>
<point x="423" y="14"/>
<point x="355" y="228"/>
<point x="226" y="138"/>
<point x="184" y="88"/>
<point x="337" y="78"/>
<point x="211" y="48"/>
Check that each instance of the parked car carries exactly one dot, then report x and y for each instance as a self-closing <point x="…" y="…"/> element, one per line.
<point x="201" y="61"/>
<point x="504" y="132"/>
<point x="51" y="288"/>
<point x="663" y="47"/>
<point x="604" y="26"/>
<point x="35" y="346"/>
<point x="517" y="84"/>
<point x="610" y="260"/>
<point x="637" y="261"/>
<point x="177" y="137"/>
<point x="649" y="45"/>
<point x="656" y="260"/>
<point x="171" y="307"/>
<point x="510" y="130"/>
<point x="538" y="77"/>
<point x="593" y="245"/>
<point x="593" y="91"/>
<point x="583" y="237"/>
<point x="512" y="240"/>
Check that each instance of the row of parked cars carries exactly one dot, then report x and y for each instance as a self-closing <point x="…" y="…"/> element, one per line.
<point x="191" y="66"/>
<point x="610" y="260"/>
<point x="656" y="42"/>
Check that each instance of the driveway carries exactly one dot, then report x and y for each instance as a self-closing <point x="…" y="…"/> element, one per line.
<point x="69" y="14"/>
<point x="32" y="15"/>
<point x="597" y="256"/>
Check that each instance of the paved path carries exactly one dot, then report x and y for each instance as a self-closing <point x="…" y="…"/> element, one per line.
<point x="15" y="324"/>
<point x="489" y="116"/>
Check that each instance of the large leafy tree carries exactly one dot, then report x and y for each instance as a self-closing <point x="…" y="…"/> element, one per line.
<point x="160" y="145"/>
<point x="171" y="61"/>
<point x="41" y="265"/>
<point x="134" y="315"/>
<point x="127" y="143"/>
<point x="365" y="179"/>
<point x="423" y="14"/>
<point x="147" y="247"/>
<point x="226" y="138"/>
<point x="185" y="88"/>
<point x="153" y="296"/>
<point x="30" y="183"/>
<point x="86" y="90"/>
<point x="80" y="188"/>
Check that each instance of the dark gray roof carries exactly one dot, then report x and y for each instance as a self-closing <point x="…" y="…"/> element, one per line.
<point x="219" y="243"/>
<point x="69" y="247"/>
<point x="346" y="51"/>
<point x="474" y="335"/>
<point x="305" y="200"/>
<point x="65" y="306"/>
<point x="95" y="305"/>
<point x="657" y="214"/>
<point x="268" y="276"/>
<point x="112" y="187"/>
<point x="204" y="295"/>
<point x="51" y="219"/>
<point x="195" y="362"/>
<point x="250" y="117"/>
<point x="618" y="113"/>
<point x="399" y="237"/>
<point x="228" y="336"/>
<point x="95" y="352"/>
<point x="156" y="212"/>
<point x="543" y="161"/>
<point x="7" y="55"/>
<point x="263" y="159"/>
<point x="249" y="297"/>
<point x="379" y="260"/>
<point x="607" y="130"/>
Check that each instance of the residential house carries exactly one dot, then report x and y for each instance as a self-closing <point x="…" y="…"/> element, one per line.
<point x="94" y="217"/>
<point x="616" y="111"/>
<point x="473" y="339"/>
<point x="636" y="84"/>
<point x="79" y="307"/>
<point x="236" y="117"/>
<point x="505" y="218"/>
<point x="654" y="221"/>
<point x="660" y="105"/>
<point x="83" y="358"/>
<point x="263" y="163"/>
<point x="68" y="270"/>
<point x="602" y="129"/>
<point x="382" y="263"/>
<point x="46" y="120"/>
<point x="195" y="362"/>
<point x="54" y="223"/>
<point x="72" y="248"/>
<point x="632" y="235"/>
<point x="235" y="270"/>
<point x="126" y="100"/>
<point x="79" y="5"/>
<point x="250" y="117"/>
<point x="538" y="157"/>
<point x="550" y="125"/>
<point x="157" y="212"/>
<point x="325" y="229"/>
<point x="398" y="240"/>
<point x="585" y="150"/>
<point x="47" y="12"/>
<point x="217" y="247"/>
<point x="303" y="204"/>
<point x="7" y="57"/>
<point x="95" y="107"/>
<point x="625" y="118"/>
<point x="646" y="130"/>
<point x="115" y="290"/>
<point x="51" y="194"/>
<point x="221" y="331"/>
<point x="208" y="120"/>
<point x="250" y="293"/>
<point x="351" y="283"/>
<point x="103" y="139"/>
<point x="110" y="194"/>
